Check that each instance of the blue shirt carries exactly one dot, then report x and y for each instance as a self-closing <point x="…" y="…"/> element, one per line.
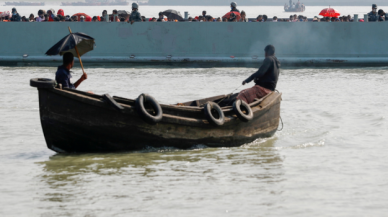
<point x="62" y="76"/>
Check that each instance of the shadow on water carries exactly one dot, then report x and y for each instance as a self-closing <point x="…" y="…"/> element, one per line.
<point x="262" y="151"/>
<point x="256" y="162"/>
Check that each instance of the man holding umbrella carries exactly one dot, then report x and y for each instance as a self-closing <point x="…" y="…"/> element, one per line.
<point x="73" y="44"/>
<point x="62" y="76"/>
<point x="135" y="15"/>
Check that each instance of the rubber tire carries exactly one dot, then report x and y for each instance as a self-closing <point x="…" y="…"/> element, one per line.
<point x="237" y="110"/>
<point x="108" y="99"/>
<point x="147" y="117"/>
<point x="209" y="106"/>
<point x="42" y="83"/>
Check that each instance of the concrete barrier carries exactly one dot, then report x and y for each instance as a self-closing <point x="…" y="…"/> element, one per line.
<point x="202" y="44"/>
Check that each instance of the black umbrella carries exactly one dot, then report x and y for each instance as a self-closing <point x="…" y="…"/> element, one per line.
<point x="173" y="14"/>
<point x="76" y="43"/>
<point x="123" y="14"/>
<point x="84" y="44"/>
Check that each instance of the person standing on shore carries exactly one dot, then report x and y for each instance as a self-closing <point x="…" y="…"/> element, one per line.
<point x="373" y="16"/>
<point x="15" y="16"/>
<point x="233" y="7"/>
<point x="135" y="15"/>
<point x="31" y="18"/>
<point x="51" y="16"/>
<point x="265" y="78"/>
<point x="160" y="19"/>
<point x="243" y="17"/>
<point x="382" y="15"/>
<point x="40" y="17"/>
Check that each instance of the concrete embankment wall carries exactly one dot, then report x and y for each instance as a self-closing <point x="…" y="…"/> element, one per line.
<point x="202" y="44"/>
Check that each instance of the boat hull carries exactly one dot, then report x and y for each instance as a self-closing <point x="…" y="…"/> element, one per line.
<point x="72" y="122"/>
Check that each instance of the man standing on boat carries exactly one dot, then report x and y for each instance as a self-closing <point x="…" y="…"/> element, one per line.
<point x="265" y="78"/>
<point x="135" y="15"/>
<point x="62" y="76"/>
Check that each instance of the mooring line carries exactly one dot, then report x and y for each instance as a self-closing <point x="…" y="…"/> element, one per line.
<point x="281" y="122"/>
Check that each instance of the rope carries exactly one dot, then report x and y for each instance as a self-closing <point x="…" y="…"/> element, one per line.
<point x="281" y="122"/>
<point x="237" y="88"/>
<point x="229" y="95"/>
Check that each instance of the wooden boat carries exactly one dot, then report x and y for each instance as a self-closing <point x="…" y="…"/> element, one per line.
<point x="76" y="121"/>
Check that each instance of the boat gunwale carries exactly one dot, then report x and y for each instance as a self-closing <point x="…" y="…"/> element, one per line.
<point x="97" y="100"/>
<point x="175" y="106"/>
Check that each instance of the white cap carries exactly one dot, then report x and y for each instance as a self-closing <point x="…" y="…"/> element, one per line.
<point x="82" y="17"/>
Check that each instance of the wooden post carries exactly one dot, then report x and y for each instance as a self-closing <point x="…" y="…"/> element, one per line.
<point x="79" y="57"/>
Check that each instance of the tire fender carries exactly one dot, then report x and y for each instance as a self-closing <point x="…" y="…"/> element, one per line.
<point x="237" y="105"/>
<point x="42" y="83"/>
<point x="145" y="99"/>
<point x="209" y="109"/>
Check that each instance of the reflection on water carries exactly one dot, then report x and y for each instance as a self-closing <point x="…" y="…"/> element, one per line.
<point x="163" y="174"/>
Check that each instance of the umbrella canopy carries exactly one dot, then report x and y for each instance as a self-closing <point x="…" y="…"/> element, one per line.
<point x="227" y="15"/>
<point x="329" y="12"/>
<point x="123" y="14"/>
<point x="120" y="12"/>
<point x="173" y="14"/>
<point x="79" y="15"/>
<point x="84" y="44"/>
<point x="5" y="13"/>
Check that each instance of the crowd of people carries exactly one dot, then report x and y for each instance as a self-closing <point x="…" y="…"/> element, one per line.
<point x="233" y="16"/>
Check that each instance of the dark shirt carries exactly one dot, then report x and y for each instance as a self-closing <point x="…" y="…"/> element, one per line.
<point x="268" y="73"/>
<point x="63" y="77"/>
<point x="15" y="17"/>
<point x="160" y="20"/>
<point x="135" y="16"/>
<point x="373" y="17"/>
<point x="235" y="9"/>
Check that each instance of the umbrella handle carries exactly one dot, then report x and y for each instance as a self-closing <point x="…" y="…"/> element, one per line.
<point x="79" y="57"/>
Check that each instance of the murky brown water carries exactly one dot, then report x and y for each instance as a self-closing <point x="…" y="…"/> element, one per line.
<point x="329" y="160"/>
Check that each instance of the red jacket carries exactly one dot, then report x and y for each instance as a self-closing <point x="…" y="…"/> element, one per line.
<point x="60" y="12"/>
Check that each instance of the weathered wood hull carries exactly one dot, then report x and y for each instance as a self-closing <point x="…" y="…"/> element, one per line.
<point x="75" y="121"/>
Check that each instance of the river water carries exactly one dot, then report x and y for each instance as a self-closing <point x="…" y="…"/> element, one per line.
<point x="330" y="159"/>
